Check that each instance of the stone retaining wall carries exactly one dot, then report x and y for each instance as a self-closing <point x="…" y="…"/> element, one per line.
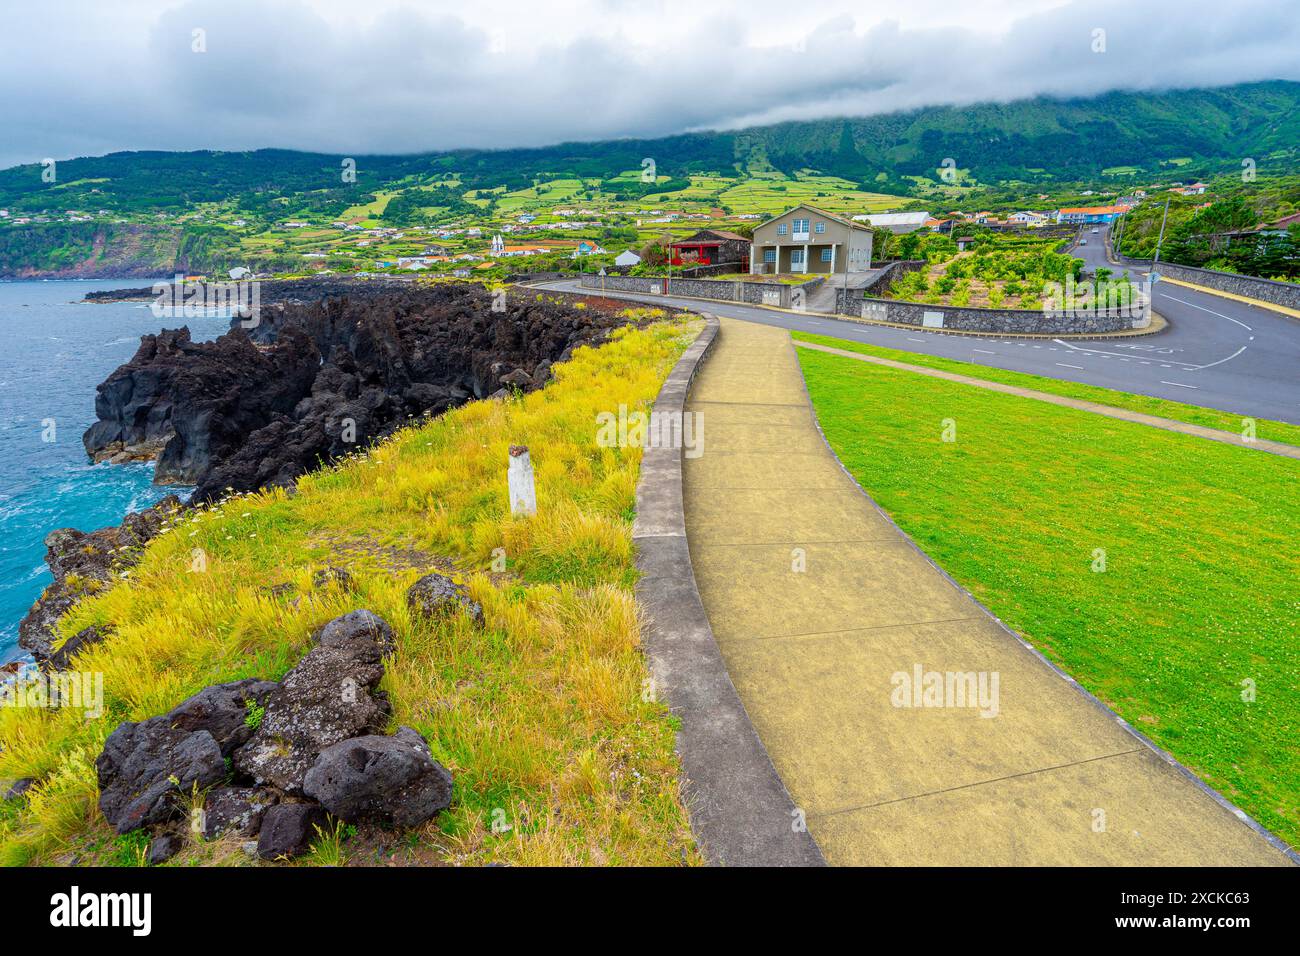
<point x="730" y="290"/>
<point x="1279" y="293"/>
<point x="887" y="276"/>
<point x="967" y="319"/>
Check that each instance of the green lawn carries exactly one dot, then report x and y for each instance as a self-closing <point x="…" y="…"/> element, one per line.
<point x="1199" y="590"/>
<point x="1179" y="412"/>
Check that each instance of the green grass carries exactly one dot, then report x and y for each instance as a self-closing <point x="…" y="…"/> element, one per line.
<point x="1179" y="412"/>
<point x="539" y="715"/>
<point x="1201" y="542"/>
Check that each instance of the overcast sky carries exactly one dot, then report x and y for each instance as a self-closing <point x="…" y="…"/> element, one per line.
<point x="85" y="77"/>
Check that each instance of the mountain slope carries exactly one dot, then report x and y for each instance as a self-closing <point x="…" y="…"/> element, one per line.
<point x="1030" y="140"/>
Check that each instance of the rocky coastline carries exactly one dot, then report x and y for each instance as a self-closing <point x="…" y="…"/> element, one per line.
<point x="327" y="368"/>
<point x="330" y="367"/>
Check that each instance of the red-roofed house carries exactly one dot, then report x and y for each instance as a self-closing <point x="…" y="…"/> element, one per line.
<point x="711" y="247"/>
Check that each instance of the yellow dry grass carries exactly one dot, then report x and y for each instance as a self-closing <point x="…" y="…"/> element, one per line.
<point x="540" y="715"/>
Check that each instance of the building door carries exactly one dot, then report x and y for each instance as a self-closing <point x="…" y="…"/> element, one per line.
<point x="797" y="263"/>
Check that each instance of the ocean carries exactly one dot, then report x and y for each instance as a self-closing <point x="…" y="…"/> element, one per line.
<point x="54" y="350"/>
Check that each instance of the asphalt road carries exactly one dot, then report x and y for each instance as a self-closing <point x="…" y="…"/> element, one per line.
<point x="1217" y="353"/>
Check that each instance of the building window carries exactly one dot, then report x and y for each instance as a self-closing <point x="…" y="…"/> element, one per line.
<point x="801" y="225"/>
<point x="769" y="255"/>
<point x="780" y="229"/>
<point x="821" y="228"/>
<point x="827" y="254"/>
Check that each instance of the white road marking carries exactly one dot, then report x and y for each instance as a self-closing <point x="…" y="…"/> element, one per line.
<point x="1063" y="365"/>
<point x="1220" y="361"/>
<point x="1179" y="384"/>
<point x="1211" y="311"/>
<point x="1117" y="355"/>
<point x="985" y="351"/>
<point x="910" y="339"/>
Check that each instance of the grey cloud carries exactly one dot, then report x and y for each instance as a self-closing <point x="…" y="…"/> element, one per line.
<point x="282" y="74"/>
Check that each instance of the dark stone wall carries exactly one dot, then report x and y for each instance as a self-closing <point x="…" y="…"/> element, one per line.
<point x="1279" y="293"/>
<point x="730" y="290"/>
<point x="1023" y="321"/>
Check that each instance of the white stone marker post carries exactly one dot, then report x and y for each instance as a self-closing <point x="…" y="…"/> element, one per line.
<point x="523" y="496"/>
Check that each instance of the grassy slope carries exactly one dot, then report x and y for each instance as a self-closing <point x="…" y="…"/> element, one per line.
<point x="1201" y="541"/>
<point x="1179" y="412"/>
<point x="540" y="716"/>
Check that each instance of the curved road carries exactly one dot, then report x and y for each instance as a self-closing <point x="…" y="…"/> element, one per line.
<point x="1217" y="352"/>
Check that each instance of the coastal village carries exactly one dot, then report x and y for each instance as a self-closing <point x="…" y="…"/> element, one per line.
<point x="524" y="232"/>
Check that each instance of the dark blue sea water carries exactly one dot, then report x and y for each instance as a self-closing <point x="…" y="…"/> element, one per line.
<point x="54" y="350"/>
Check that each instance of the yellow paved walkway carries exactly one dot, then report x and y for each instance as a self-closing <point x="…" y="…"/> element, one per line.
<point x="814" y="654"/>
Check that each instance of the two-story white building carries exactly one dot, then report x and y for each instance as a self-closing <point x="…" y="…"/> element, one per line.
<point x="807" y="239"/>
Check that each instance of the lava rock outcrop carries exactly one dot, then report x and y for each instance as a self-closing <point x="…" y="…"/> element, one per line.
<point x="311" y="382"/>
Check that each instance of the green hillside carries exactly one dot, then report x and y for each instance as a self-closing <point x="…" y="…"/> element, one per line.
<point x="1033" y="140"/>
<point x="279" y="211"/>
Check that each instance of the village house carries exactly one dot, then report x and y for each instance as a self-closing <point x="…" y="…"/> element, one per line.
<point x="712" y="247"/>
<point x="1089" y="215"/>
<point x="896" y="222"/>
<point x="806" y="239"/>
<point x="1028" y="218"/>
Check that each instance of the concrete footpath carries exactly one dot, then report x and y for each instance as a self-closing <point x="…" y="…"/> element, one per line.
<point x="826" y="616"/>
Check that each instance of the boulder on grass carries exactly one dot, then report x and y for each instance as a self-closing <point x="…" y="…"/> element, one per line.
<point x="380" y="779"/>
<point x="146" y="768"/>
<point x="238" y="810"/>
<point x="436" y="595"/>
<point x="163" y="847"/>
<point x="17" y="789"/>
<point x="363" y="626"/>
<point x="326" y="698"/>
<point x="289" y="829"/>
<point x="223" y="710"/>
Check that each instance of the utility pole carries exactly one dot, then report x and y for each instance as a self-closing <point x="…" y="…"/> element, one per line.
<point x="1160" y="241"/>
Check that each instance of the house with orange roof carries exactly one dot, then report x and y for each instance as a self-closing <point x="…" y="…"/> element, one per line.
<point x="1089" y="215"/>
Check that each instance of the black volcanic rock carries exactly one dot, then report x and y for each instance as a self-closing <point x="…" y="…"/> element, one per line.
<point x="436" y="595"/>
<point x="383" y="779"/>
<point x="310" y="382"/>
<point x="147" y="768"/>
<point x="193" y="402"/>
<point x="330" y="695"/>
<point x="288" y="830"/>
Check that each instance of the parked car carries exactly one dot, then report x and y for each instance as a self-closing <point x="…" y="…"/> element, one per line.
<point x="1083" y="242"/>
<point x="1095" y="230"/>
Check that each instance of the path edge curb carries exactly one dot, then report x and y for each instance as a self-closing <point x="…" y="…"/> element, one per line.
<point x="1159" y="752"/>
<point x="740" y="811"/>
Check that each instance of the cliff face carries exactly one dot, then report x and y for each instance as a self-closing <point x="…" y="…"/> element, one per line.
<point x="313" y="382"/>
<point x="98" y="250"/>
<point x="88" y="251"/>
